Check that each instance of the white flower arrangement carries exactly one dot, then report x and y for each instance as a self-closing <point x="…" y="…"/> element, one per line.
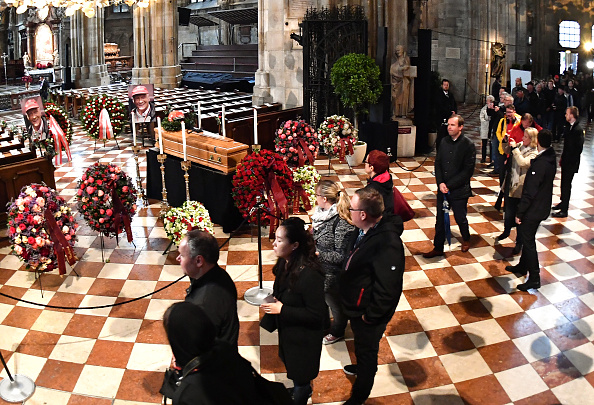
<point x="191" y="214"/>
<point x="308" y="177"/>
<point x="332" y="130"/>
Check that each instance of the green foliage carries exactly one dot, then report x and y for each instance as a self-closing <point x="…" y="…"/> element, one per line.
<point x="356" y="80"/>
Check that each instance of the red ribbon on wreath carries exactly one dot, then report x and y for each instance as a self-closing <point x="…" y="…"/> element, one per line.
<point x="61" y="246"/>
<point x="277" y="201"/>
<point x="121" y="214"/>
<point x="59" y="139"/>
<point x="345" y="143"/>
<point x="303" y="151"/>
<point x="300" y="195"/>
<point x="105" y="127"/>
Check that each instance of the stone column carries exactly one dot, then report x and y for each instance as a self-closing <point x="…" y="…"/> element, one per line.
<point x="261" y="93"/>
<point x="155" y="45"/>
<point x="88" y="59"/>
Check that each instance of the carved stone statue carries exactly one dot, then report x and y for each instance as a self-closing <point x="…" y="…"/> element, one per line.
<point x="26" y="60"/>
<point x="401" y="78"/>
<point x="56" y="58"/>
<point x="498" y="53"/>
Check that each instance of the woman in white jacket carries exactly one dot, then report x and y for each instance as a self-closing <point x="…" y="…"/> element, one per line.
<point x="484" y="117"/>
<point x="521" y="154"/>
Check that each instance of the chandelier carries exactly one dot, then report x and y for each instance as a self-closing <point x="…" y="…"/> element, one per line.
<point x="88" y="7"/>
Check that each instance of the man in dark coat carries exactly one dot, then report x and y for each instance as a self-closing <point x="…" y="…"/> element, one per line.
<point x="573" y="145"/>
<point x="454" y="167"/>
<point x="518" y="87"/>
<point x="43" y="88"/>
<point x="559" y="107"/>
<point x="446" y="106"/>
<point x="534" y="207"/>
<point x="495" y="87"/>
<point x="521" y="103"/>
<point x="211" y="287"/>
<point x="371" y="284"/>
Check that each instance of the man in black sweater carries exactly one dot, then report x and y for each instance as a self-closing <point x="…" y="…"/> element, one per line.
<point x="534" y="207"/>
<point x="211" y="287"/>
<point x="573" y="145"/>
<point x="454" y="167"/>
<point x="446" y="106"/>
<point x="371" y="283"/>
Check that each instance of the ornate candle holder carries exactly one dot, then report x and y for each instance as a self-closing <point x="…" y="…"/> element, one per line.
<point x="136" y="149"/>
<point x="185" y="165"/>
<point x="256" y="148"/>
<point x="164" y="203"/>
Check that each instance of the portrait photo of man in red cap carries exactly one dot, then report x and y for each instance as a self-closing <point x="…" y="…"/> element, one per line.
<point x="35" y="119"/>
<point x="142" y="103"/>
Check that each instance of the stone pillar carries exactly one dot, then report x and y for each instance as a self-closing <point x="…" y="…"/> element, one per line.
<point x="88" y="60"/>
<point x="261" y="93"/>
<point x="155" y="45"/>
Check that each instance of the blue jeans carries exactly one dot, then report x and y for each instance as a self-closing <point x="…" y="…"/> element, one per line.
<point x="495" y="155"/>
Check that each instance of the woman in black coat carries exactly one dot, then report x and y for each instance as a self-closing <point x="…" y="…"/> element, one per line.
<point x="299" y="305"/>
<point x="222" y="376"/>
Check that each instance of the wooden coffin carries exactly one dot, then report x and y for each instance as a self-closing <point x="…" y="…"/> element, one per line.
<point x="223" y="154"/>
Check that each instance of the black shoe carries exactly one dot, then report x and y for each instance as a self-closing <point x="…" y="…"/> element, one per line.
<point x="529" y="285"/>
<point x="516" y="270"/>
<point x="292" y="389"/>
<point x="350" y="369"/>
<point x="433" y="253"/>
<point x="557" y="207"/>
<point x="559" y="214"/>
<point x="504" y="235"/>
<point x="492" y="164"/>
<point x="517" y="248"/>
<point x="493" y="173"/>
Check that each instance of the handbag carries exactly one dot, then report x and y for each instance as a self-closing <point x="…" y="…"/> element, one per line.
<point x="274" y="392"/>
<point x="401" y="206"/>
<point x="173" y="378"/>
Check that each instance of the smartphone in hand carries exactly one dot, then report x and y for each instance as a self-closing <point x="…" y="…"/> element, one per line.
<point x="270" y="299"/>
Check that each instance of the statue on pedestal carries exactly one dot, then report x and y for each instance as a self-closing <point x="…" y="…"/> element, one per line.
<point x="401" y="76"/>
<point x="26" y="61"/>
<point x="56" y="58"/>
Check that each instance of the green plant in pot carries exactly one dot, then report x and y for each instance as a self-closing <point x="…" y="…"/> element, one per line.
<point x="356" y="80"/>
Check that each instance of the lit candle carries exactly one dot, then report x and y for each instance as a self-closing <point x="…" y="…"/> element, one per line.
<point x="133" y="130"/>
<point x="223" y="121"/>
<point x="183" y="123"/>
<point x="160" y="135"/>
<point x="255" y="126"/>
<point x="199" y="115"/>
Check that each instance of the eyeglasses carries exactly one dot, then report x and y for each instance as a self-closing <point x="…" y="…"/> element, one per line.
<point x="355" y="209"/>
<point x="319" y="195"/>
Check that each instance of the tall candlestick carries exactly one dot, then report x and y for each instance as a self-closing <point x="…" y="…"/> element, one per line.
<point x="183" y="125"/>
<point x="255" y="126"/>
<point x="133" y="130"/>
<point x="223" y="121"/>
<point x="160" y="135"/>
<point x="199" y="115"/>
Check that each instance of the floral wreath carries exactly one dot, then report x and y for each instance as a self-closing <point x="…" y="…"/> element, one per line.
<point x="297" y="142"/>
<point x="306" y="178"/>
<point x="337" y="135"/>
<point x="191" y="215"/>
<point x="174" y="119"/>
<point x="30" y="232"/>
<point x="251" y="181"/>
<point x="96" y="188"/>
<point x="48" y="146"/>
<point x="89" y="115"/>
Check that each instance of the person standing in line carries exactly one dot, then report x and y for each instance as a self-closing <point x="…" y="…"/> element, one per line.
<point x="534" y="207"/>
<point x="573" y="145"/>
<point x="332" y="224"/>
<point x="377" y="167"/>
<point x="559" y="107"/>
<point x="454" y="167"/>
<point x="299" y="309"/>
<point x="485" y="125"/>
<point x="446" y="107"/>
<point x="371" y="284"/>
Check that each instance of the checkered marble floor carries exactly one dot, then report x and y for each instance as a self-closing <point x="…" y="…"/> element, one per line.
<point x="461" y="333"/>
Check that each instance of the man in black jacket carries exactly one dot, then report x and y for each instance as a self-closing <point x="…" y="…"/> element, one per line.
<point x="454" y="167"/>
<point x="446" y="107"/>
<point x="573" y="145"/>
<point x="371" y="283"/>
<point x="534" y="207"/>
<point x="211" y="287"/>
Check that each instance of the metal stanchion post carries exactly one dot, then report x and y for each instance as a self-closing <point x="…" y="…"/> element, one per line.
<point x="17" y="388"/>
<point x="257" y="295"/>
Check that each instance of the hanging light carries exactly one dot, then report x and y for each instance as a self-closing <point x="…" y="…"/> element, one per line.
<point x="21" y="9"/>
<point x="43" y="12"/>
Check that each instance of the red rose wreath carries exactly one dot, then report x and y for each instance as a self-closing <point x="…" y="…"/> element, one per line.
<point x="106" y="198"/>
<point x="42" y="229"/>
<point x="90" y="116"/>
<point x="297" y="142"/>
<point x="263" y="174"/>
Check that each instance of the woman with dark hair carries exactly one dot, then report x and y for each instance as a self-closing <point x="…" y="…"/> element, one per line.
<point x="299" y="306"/>
<point x="217" y="373"/>
<point x="380" y="179"/>
<point x="332" y="224"/>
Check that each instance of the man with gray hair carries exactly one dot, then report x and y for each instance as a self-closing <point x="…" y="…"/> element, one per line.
<point x="211" y="287"/>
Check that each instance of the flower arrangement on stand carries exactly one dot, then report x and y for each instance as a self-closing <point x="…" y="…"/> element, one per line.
<point x="305" y="179"/>
<point x="89" y="115"/>
<point x="263" y="174"/>
<point x="297" y="142"/>
<point x="27" y="79"/>
<point x="48" y="146"/>
<point x="35" y="239"/>
<point x="106" y="197"/>
<point x="337" y="135"/>
<point x="191" y="215"/>
<point x="174" y="119"/>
